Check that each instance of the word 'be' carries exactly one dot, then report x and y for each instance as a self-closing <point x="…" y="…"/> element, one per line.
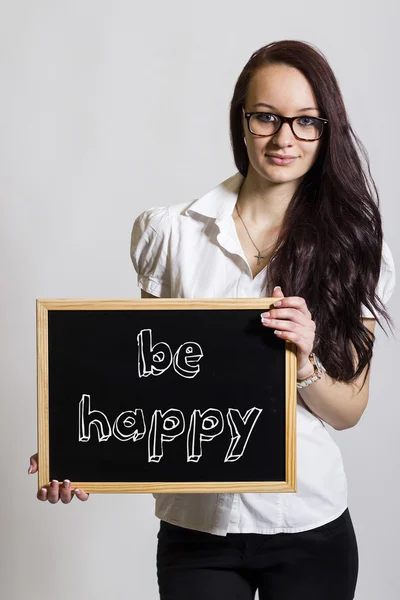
<point x="155" y="360"/>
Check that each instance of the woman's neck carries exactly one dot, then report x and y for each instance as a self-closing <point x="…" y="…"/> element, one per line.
<point x="262" y="204"/>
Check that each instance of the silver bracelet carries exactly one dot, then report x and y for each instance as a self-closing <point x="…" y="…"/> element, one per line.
<point x="318" y="370"/>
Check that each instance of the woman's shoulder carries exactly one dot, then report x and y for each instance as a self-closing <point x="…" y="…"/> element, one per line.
<point x="154" y="219"/>
<point x="387" y="257"/>
<point x="160" y="219"/>
<point x="387" y="279"/>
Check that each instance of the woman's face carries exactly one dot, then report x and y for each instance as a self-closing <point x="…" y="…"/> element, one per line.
<point x="286" y="91"/>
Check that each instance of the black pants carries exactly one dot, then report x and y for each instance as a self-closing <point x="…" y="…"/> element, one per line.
<point x="319" y="564"/>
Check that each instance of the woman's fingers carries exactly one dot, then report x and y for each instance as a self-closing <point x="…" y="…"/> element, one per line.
<point x="292" y="314"/>
<point x="55" y="491"/>
<point x="63" y="492"/>
<point x="42" y="494"/>
<point x="81" y="494"/>
<point x="66" y="493"/>
<point x="296" y="302"/>
<point x="33" y="467"/>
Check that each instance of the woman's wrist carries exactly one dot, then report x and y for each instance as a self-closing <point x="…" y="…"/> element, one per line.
<point x="306" y="371"/>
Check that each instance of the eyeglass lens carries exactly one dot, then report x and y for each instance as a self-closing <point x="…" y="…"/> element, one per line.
<point x="307" y="128"/>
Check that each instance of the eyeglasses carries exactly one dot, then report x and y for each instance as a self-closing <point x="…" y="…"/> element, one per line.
<point x="305" y="128"/>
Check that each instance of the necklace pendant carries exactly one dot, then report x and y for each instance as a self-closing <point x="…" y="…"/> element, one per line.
<point x="258" y="257"/>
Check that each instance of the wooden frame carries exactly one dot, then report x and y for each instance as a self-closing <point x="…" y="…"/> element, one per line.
<point x="45" y="305"/>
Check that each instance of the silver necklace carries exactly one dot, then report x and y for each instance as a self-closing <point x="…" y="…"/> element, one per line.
<point x="259" y="255"/>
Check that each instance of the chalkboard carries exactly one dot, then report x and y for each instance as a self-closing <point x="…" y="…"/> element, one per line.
<point x="165" y="395"/>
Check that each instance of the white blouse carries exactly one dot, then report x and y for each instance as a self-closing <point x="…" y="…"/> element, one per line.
<point x="192" y="250"/>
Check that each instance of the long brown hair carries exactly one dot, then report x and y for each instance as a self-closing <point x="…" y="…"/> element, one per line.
<point x="330" y="243"/>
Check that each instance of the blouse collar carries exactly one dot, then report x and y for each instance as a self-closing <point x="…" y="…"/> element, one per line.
<point x="219" y="203"/>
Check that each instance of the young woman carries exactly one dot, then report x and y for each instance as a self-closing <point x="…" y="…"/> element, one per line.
<point x="299" y="214"/>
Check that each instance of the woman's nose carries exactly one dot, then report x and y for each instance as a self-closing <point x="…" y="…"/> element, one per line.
<point x="284" y="136"/>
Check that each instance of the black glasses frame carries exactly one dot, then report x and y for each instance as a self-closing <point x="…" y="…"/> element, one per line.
<point x="283" y="120"/>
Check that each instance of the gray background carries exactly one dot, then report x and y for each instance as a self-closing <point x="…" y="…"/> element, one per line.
<point x="108" y="108"/>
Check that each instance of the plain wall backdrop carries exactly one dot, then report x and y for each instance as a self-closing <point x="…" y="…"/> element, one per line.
<point x="111" y="107"/>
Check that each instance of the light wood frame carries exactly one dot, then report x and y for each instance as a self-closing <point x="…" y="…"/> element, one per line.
<point x="42" y="308"/>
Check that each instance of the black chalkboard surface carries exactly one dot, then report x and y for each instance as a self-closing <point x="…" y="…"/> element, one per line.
<point x="163" y="395"/>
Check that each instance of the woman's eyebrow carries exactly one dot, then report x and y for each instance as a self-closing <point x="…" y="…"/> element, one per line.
<point x="275" y="108"/>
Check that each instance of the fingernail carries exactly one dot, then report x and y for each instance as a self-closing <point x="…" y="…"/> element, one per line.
<point x="67" y="483"/>
<point x="30" y="469"/>
<point x="277" y="287"/>
<point x="278" y="303"/>
<point x="54" y="482"/>
<point x="264" y="314"/>
<point x="77" y="491"/>
<point x="43" y="490"/>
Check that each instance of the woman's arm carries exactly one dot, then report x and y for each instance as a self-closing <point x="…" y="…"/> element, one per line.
<point x="337" y="403"/>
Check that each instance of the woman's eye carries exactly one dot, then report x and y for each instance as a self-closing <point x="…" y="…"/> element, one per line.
<point x="306" y="121"/>
<point x="265" y="117"/>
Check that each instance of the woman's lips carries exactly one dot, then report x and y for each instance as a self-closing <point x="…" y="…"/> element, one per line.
<point x="281" y="161"/>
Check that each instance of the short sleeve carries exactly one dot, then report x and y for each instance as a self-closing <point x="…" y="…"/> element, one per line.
<point x="386" y="282"/>
<point x="149" y="251"/>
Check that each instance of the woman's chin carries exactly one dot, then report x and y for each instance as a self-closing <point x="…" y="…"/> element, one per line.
<point x="279" y="175"/>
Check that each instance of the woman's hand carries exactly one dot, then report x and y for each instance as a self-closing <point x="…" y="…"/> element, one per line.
<point x="54" y="492"/>
<point x="292" y="321"/>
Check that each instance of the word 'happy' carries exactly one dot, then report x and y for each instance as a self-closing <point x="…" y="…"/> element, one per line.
<point x="166" y="426"/>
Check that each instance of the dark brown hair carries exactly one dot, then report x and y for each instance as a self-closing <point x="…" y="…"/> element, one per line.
<point x="330" y="243"/>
